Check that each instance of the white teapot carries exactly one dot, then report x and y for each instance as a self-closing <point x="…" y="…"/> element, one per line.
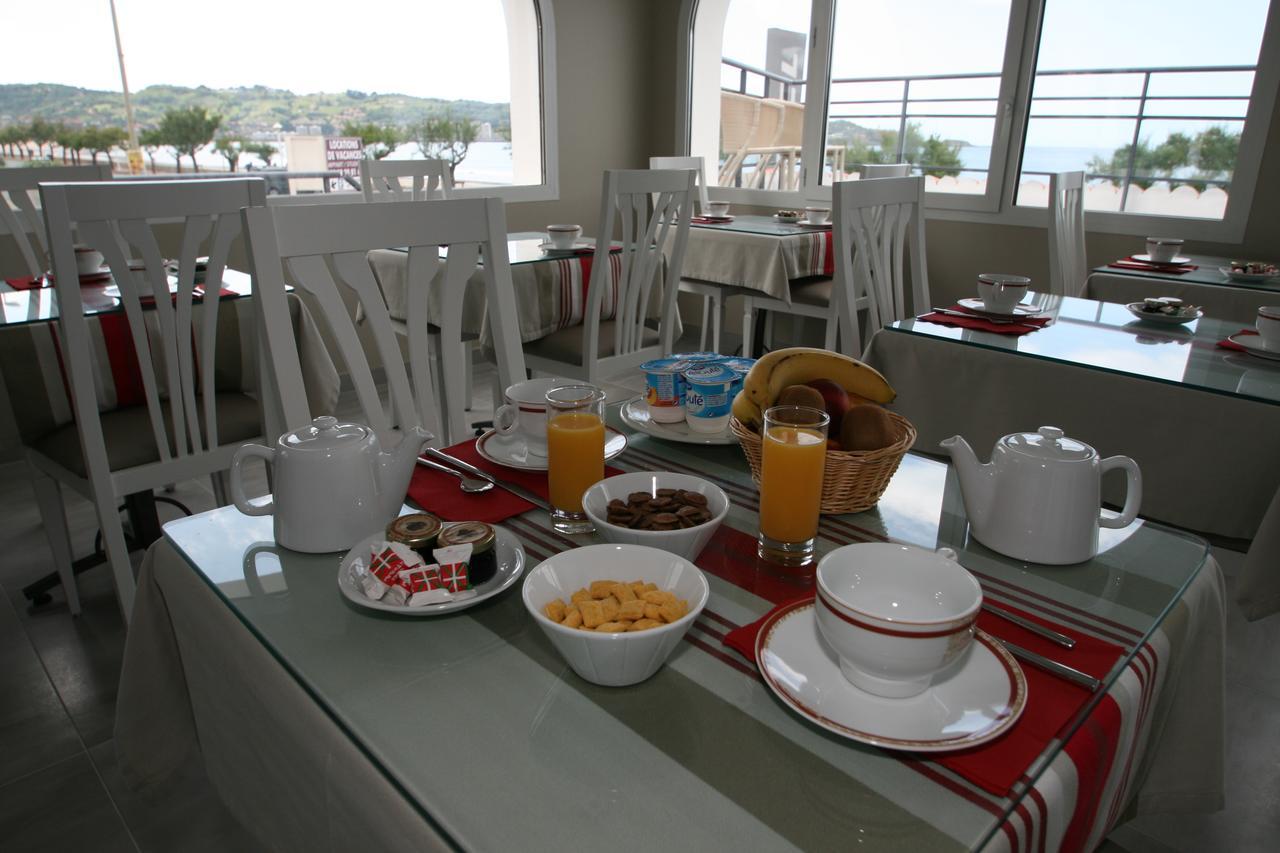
<point x="1039" y="499"/>
<point x="333" y="484"/>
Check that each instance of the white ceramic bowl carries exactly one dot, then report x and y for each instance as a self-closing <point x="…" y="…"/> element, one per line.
<point x="895" y="615"/>
<point x="614" y="660"/>
<point x="688" y="542"/>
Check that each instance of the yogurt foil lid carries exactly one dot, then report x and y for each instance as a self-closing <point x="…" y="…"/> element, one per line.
<point x="665" y="365"/>
<point x="711" y="374"/>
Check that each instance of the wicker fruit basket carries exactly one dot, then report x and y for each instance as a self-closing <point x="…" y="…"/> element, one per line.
<point x="853" y="480"/>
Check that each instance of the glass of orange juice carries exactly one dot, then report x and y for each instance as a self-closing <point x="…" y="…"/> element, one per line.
<point x="793" y="454"/>
<point x="575" y="452"/>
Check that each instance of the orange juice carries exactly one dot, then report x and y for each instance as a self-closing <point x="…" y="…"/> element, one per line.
<point x="791" y="482"/>
<point x="575" y="457"/>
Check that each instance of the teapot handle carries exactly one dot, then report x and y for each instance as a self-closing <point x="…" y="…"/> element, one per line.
<point x="237" y="482"/>
<point x="1133" y="492"/>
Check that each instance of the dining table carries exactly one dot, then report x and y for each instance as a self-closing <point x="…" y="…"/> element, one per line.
<point x="757" y="253"/>
<point x="1200" y="282"/>
<point x="326" y="725"/>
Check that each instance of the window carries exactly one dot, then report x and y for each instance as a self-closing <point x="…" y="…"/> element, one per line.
<point x="1164" y="103"/>
<point x="295" y="91"/>
<point x="1155" y="123"/>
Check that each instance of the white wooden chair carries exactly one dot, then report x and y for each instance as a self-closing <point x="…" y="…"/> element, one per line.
<point x="322" y="246"/>
<point x="1068" y="266"/>
<point x="380" y="180"/>
<point x="739" y="116"/>
<point x="187" y="427"/>
<point x="872" y="171"/>
<point x="18" y="213"/>
<point x="711" y="294"/>
<point x="628" y="336"/>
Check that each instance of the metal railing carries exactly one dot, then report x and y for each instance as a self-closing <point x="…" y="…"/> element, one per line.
<point x="792" y="88"/>
<point x="271" y="176"/>
<point x="909" y="107"/>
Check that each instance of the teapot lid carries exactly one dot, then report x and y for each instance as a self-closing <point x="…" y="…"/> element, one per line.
<point x="324" y="433"/>
<point x="1049" y="443"/>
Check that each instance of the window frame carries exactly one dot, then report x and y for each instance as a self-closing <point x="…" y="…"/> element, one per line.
<point x="997" y="205"/>
<point x="549" y="189"/>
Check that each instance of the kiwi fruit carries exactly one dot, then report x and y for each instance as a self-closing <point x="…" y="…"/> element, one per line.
<point x="867" y="427"/>
<point x="801" y="395"/>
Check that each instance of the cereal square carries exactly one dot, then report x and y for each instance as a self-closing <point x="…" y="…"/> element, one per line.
<point x="573" y="620"/>
<point x="555" y="610"/>
<point x="623" y="593"/>
<point x="633" y="609"/>
<point x="673" y="610"/>
<point x="610" y="608"/>
<point x="592" y="614"/>
<point x="602" y="589"/>
<point x="644" y="624"/>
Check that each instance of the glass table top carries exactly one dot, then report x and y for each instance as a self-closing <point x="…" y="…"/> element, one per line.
<point x="533" y="732"/>
<point x="22" y="307"/>
<point x="750" y="223"/>
<point x="1105" y="336"/>
<point x="1207" y="272"/>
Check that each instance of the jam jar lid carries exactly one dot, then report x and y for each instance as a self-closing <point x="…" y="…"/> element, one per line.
<point x="477" y="534"/>
<point x="415" y="530"/>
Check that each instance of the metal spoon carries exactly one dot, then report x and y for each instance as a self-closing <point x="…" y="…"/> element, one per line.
<point x="470" y="485"/>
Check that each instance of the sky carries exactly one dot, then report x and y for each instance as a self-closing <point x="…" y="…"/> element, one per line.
<point x="302" y="45"/>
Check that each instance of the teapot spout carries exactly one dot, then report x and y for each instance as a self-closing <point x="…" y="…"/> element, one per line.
<point x="977" y="481"/>
<point x="395" y="466"/>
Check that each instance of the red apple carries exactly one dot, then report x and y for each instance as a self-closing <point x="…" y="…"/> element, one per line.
<point x="835" y="399"/>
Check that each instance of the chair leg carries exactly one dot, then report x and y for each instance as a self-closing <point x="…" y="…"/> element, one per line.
<point x="768" y="329"/>
<point x="748" y="326"/>
<point x="706" y="315"/>
<point x="716" y="310"/>
<point x="117" y="549"/>
<point x="221" y="482"/>
<point x="54" y="516"/>
<point x="833" y="326"/>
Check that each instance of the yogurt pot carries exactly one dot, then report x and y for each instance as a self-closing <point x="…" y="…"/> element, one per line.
<point x="740" y="366"/>
<point x="665" y="389"/>
<point x="707" y="396"/>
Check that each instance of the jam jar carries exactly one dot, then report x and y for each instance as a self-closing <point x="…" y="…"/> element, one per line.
<point x="484" y="556"/>
<point x="418" y="530"/>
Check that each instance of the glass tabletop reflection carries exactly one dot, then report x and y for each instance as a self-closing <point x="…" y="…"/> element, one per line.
<point x="1105" y="336"/>
<point x="767" y="226"/>
<point x="1208" y="271"/>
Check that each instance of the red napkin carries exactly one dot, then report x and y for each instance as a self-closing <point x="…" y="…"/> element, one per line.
<point x="1051" y="701"/>
<point x="710" y="220"/>
<point x="439" y="493"/>
<point x="1227" y="343"/>
<point x="1151" y="266"/>
<point x="982" y="324"/>
<point x="27" y="282"/>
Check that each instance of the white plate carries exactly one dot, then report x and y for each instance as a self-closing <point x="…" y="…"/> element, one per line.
<point x="509" y="450"/>
<point x="1135" y="308"/>
<point x="635" y="414"/>
<point x="1020" y="310"/>
<point x="1246" y="276"/>
<point x="1178" y="261"/>
<point x="509" y="551"/>
<point x="978" y="700"/>
<point x="790" y="220"/>
<point x="578" y="246"/>
<point x="1253" y="344"/>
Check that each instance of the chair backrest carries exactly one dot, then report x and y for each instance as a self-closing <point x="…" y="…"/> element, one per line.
<point x="18" y="211"/>
<point x="739" y="115"/>
<point x="380" y="180"/>
<point x="698" y="164"/>
<point x="791" y="134"/>
<point x="885" y="170"/>
<point x="324" y="246"/>
<point x="879" y="226"/>
<point x="1068" y="265"/>
<point x="646" y="234"/>
<point x="174" y="348"/>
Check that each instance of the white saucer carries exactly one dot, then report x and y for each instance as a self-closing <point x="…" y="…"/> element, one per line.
<point x="578" y="246"/>
<point x="1247" y="276"/>
<point x="511" y="451"/>
<point x="509" y="552"/>
<point x="1253" y="344"/>
<point x="1020" y="310"/>
<point x="1178" y="261"/>
<point x="977" y="700"/>
<point x="635" y="414"/>
<point x="1135" y="308"/>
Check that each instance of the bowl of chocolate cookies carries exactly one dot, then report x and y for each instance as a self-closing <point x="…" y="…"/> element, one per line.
<point x="674" y="512"/>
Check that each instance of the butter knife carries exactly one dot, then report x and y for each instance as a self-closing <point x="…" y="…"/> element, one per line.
<point x="999" y="321"/>
<point x="1075" y="676"/>
<point x="518" y="491"/>
<point x="1035" y="628"/>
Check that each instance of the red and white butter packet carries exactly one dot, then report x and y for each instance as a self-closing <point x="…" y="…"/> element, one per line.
<point x="453" y="566"/>
<point x="388" y="561"/>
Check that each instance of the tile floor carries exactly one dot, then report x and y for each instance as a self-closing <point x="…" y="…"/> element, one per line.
<point x="60" y="789"/>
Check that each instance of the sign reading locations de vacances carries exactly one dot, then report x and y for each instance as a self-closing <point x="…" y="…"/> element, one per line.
<point x="342" y="154"/>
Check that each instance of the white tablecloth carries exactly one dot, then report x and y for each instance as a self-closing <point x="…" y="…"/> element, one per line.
<point x="765" y="263"/>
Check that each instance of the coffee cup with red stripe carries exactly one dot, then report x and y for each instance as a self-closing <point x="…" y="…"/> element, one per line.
<point x="524" y="414"/>
<point x="896" y="616"/>
<point x="1268" y="325"/>
<point x="1000" y="292"/>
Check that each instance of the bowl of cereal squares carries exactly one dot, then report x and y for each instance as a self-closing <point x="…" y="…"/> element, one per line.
<point x="615" y="612"/>
<point x="675" y="512"/>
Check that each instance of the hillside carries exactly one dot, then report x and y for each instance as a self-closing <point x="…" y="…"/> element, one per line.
<point x="245" y="110"/>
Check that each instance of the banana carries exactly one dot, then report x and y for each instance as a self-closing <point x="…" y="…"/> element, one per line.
<point x="747" y="412"/>
<point x="798" y="365"/>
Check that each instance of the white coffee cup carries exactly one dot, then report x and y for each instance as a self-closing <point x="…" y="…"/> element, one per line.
<point x="1162" y="250"/>
<point x="1268" y="325"/>
<point x="1000" y="292"/>
<point x="524" y="414"/>
<point x="817" y="215"/>
<point x="715" y="208"/>
<point x="88" y="261"/>
<point x="563" y="236"/>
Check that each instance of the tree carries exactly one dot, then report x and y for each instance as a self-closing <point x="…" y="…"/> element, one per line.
<point x="263" y="150"/>
<point x="444" y="138"/>
<point x="100" y="140"/>
<point x="151" y="140"/>
<point x="935" y="155"/>
<point x="70" y="140"/>
<point x="938" y="158"/>
<point x="1212" y="152"/>
<point x="188" y="130"/>
<point x="378" y="140"/>
<point x="1216" y="151"/>
<point x="230" y="147"/>
<point x="41" y="132"/>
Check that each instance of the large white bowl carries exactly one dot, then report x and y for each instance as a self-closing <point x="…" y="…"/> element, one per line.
<point x="614" y="660"/>
<point x="688" y="542"/>
<point x="895" y="615"/>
